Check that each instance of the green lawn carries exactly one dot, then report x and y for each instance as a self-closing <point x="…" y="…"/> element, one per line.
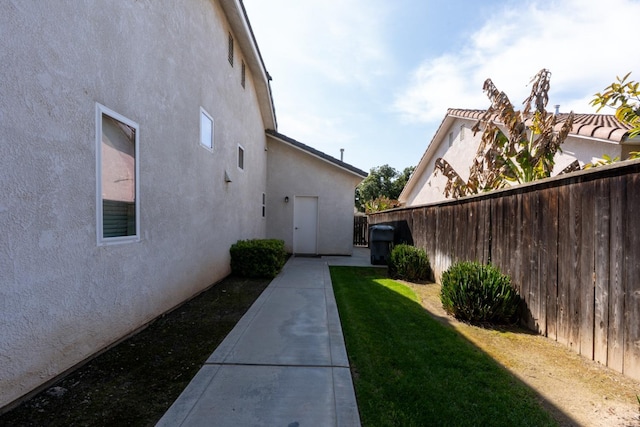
<point x="410" y="370"/>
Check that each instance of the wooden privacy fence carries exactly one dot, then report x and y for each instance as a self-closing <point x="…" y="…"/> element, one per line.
<point x="360" y="231"/>
<point x="571" y="246"/>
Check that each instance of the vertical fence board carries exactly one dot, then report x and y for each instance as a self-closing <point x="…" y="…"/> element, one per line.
<point x="615" y="348"/>
<point x="586" y="268"/>
<point x="602" y="272"/>
<point x="549" y="259"/>
<point x="472" y="233"/>
<point x="496" y="246"/>
<point x="631" y="280"/>
<point x="548" y="252"/>
<point x="565" y="264"/>
<point x="437" y="246"/>
<point x="503" y="231"/>
<point x="512" y="222"/>
<point x="530" y="236"/>
<point x="574" y="295"/>
<point x="417" y="228"/>
<point x="431" y="235"/>
<point x="486" y="230"/>
<point x="523" y="252"/>
<point x="472" y="244"/>
<point x="452" y="240"/>
<point x="459" y="223"/>
<point x="516" y="260"/>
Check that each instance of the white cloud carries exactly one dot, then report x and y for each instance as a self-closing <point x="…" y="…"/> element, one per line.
<point x="338" y="40"/>
<point x="581" y="42"/>
<point x="322" y="55"/>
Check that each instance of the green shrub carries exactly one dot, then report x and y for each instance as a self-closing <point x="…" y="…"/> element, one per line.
<point x="257" y="257"/>
<point x="479" y="293"/>
<point x="409" y="263"/>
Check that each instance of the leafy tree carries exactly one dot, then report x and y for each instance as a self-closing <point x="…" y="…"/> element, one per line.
<point x="381" y="203"/>
<point x="524" y="153"/>
<point x="384" y="183"/>
<point x="624" y="96"/>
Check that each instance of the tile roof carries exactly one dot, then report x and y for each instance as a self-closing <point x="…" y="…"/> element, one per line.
<point x="601" y="126"/>
<point x="317" y="153"/>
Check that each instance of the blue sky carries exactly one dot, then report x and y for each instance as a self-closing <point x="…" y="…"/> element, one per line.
<point x="376" y="77"/>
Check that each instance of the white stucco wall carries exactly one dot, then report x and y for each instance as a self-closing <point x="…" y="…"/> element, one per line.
<point x="292" y="172"/>
<point x="584" y="150"/>
<point x="62" y="296"/>
<point x="429" y="188"/>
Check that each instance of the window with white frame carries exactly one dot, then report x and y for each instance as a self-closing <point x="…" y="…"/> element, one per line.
<point x="206" y="129"/>
<point x="240" y="157"/>
<point x="117" y="169"/>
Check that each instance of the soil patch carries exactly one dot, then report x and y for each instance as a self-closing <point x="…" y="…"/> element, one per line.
<point x="576" y="391"/>
<point x="135" y="382"/>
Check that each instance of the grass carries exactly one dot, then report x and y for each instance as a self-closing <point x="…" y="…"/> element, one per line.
<point x="135" y="382"/>
<point x="410" y="370"/>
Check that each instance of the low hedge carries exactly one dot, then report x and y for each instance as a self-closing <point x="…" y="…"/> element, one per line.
<point x="258" y="257"/>
<point x="479" y="293"/>
<point x="409" y="263"/>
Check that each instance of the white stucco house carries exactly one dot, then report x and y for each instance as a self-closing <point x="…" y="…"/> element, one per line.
<point x="138" y="142"/>
<point x="592" y="136"/>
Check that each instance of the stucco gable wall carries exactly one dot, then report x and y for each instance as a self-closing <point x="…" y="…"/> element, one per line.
<point x="585" y="151"/>
<point x="292" y="172"/>
<point x="464" y="145"/>
<point x="64" y="297"/>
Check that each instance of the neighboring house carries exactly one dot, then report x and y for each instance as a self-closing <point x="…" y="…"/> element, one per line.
<point x="133" y="154"/>
<point x="593" y="136"/>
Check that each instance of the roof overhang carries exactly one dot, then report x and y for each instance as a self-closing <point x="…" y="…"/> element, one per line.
<point x="241" y="28"/>
<point x="316" y="153"/>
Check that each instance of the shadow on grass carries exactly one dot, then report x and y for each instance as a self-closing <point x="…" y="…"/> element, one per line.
<point x="410" y="369"/>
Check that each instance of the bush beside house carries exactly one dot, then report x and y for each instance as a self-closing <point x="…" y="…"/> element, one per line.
<point x="258" y="257"/>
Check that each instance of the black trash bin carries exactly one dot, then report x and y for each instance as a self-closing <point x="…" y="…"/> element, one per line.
<point x="380" y="240"/>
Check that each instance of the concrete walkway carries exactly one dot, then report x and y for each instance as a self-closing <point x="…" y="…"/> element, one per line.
<point x="284" y="363"/>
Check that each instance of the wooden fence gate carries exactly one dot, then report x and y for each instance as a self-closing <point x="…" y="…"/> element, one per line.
<point x="360" y="231"/>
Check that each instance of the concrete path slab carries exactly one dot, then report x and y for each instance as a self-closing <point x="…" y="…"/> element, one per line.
<point x="361" y="257"/>
<point x="284" y="364"/>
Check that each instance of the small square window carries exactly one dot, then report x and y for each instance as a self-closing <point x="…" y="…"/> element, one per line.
<point x="230" y="49"/>
<point x="243" y="75"/>
<point x="240" y="157"/>
<point x="206" y="129"/>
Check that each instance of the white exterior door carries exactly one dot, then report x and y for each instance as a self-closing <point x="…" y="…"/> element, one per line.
<point x="305" y="225"/>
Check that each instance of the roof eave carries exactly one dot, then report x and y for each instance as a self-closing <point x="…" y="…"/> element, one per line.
<point x="317" y="154"/>
<point x="243" y="33"/>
